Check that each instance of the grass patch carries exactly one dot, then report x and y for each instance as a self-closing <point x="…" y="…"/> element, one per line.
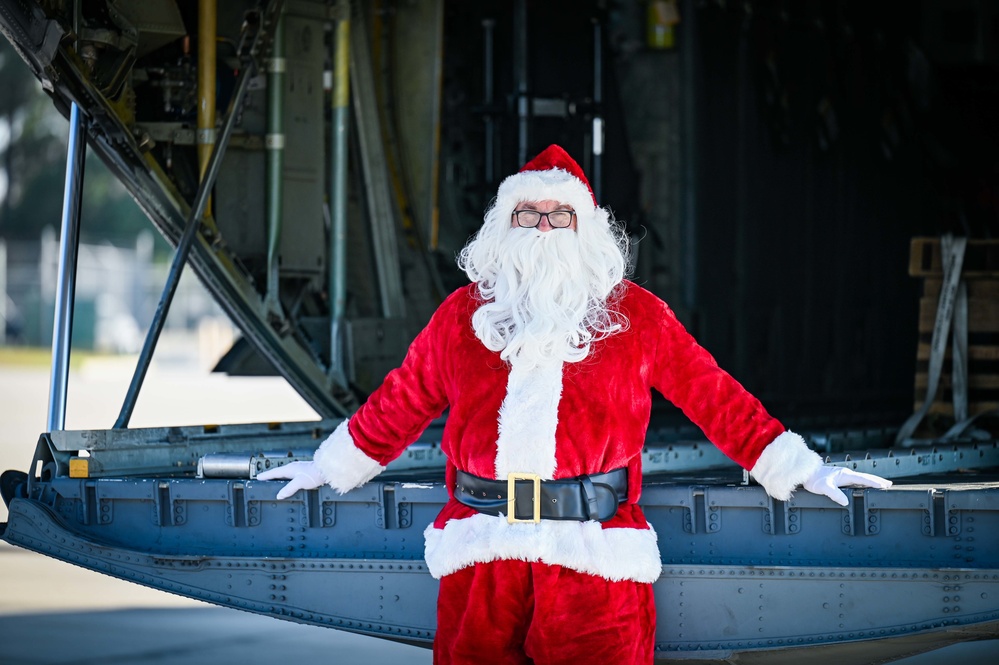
<point x="28" y="356"/>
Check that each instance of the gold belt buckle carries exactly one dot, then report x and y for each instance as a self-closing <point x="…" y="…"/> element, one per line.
<point x="511" y="497"/>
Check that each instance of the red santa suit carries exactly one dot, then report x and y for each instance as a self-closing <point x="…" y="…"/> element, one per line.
<point x="560" y="420"/>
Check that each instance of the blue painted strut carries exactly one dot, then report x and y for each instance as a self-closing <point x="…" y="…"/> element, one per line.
<point x="69" y="246"/>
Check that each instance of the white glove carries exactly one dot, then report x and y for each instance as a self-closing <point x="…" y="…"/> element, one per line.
<point x="303" y="476"/>
<point x="828" y="479"/>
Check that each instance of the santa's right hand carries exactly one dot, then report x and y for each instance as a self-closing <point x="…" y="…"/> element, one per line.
<point x="303" y="476"/>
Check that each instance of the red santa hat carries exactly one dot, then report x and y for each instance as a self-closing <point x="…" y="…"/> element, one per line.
<point x="552" y="175"/>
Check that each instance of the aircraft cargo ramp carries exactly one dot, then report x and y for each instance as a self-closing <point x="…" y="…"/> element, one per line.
<point x="901" y="570"/>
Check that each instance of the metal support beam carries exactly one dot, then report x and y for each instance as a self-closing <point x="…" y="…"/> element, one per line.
<point x="488" y="28"/>
<point x="689" y="58"/>
<point x="741" y="311"/>
<point x="598" y="120"/>
<point x="69" y="246"/>
<point x="207" y="63"/>
<point x="378" y="190"/>
<point x="274" y="143"/>
<point x="520" y="79"/>
<point x="338" y="191"/>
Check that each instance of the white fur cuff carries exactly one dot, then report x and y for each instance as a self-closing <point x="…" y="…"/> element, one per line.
<point x="614" y="554"/>
<point x="344" y="466"/>
<point x="785" y="464"/>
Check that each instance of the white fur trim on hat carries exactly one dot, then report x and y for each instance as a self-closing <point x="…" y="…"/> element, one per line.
<point x="614" y="554"/>
<point x="551" y="185"/>
<point x="785" y="464"/>
<point x="527" y="421"/>
<point x="343" y="465"/>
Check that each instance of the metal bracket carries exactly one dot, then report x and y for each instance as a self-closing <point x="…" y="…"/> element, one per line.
<point x="96" y="510"/>
<point x="872" y="525"/>
<point x="861" y="513"/>
<point x="787" y="515"/>
<point x="690" y="513"/>
<point x="954" y="520"/>
<point x="931" y="506"/>
<point x="168" y="511"/>
<point x="241" y="510"/>
<point x="792" y="520"/>
<point x="957" y="502"/>
<point x="392" y="514"/>
<point x="770" y="517"/>
<point x="847" y="522"/>
<point x="713" y="508"/>
<point x="706" y="505"/>
<point x="317" y="512"/>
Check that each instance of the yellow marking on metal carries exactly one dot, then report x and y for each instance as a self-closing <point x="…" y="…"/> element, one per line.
<point x="79" y="467"/>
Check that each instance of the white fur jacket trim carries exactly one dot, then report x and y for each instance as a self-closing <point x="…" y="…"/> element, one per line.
<point x="528" y="418"/>
<point x="784" y="464"/>
<point x="343" y="465"/>
<point x="614" y="554"/>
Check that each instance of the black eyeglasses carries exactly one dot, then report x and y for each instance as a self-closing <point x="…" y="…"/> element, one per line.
<point x="529" y="219"/>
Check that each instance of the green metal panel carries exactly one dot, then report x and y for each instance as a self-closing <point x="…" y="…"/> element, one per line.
<point x="303" y="250"/>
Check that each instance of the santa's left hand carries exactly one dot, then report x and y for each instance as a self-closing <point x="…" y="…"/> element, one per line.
<point x="828" y="479"/>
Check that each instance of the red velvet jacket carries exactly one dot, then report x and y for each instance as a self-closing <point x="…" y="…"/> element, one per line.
<point x="577" y="418"/>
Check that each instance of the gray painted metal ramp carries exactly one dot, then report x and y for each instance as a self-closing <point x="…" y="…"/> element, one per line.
<point x="743" y="576"/>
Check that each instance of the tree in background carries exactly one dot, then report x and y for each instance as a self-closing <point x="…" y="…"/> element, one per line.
<point x="21" y="106"/>
<point x="32" y="166"/>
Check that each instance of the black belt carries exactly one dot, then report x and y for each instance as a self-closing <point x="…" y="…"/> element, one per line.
<point x="592" y="497"/>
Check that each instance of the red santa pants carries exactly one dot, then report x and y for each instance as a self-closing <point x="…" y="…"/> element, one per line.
<point x="514" y="612"/>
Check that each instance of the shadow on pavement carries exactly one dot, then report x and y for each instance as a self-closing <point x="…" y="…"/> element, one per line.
<point x="189" y="636"/>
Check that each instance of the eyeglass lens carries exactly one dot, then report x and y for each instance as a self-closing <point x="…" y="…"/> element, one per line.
<point x="559" y="219"/>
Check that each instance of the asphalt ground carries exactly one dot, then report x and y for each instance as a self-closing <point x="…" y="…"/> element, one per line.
<point x="54" y="613"/>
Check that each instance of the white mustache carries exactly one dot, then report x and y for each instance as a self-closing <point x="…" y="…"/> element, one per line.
<point x="543" y="308"/>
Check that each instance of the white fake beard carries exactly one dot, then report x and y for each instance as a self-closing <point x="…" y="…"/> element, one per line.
<point x="545" y="303"/>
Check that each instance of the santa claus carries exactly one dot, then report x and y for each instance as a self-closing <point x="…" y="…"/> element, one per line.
<point x="547" y="361"/>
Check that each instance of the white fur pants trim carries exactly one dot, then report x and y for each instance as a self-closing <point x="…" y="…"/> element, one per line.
<point x="614" y="554"/>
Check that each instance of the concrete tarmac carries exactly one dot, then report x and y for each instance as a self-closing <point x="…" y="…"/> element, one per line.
<point x="54" y="613"/>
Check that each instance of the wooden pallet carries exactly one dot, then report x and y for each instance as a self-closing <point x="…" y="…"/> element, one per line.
<point x="981" y="258"/>
<point x="981" y="276"/>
